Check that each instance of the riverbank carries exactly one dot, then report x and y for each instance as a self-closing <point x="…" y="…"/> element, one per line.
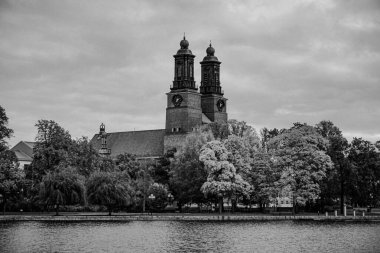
<point x="75" y="217"/>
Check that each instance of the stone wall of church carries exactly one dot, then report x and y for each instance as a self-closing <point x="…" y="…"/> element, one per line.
<point x="174" y="141"/>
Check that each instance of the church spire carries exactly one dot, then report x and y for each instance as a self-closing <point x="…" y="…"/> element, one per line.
<point x="184" y="67"/>
<point x="210" y="66"/>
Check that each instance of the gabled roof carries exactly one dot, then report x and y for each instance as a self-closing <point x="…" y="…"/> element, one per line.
<point x="21" y="156"/>
<point x="30" y="144"/>
<point x="148" y="143"/>
<point x="24" y="150"/>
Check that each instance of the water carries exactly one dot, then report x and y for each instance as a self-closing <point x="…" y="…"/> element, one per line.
<point x="181" y="236"/>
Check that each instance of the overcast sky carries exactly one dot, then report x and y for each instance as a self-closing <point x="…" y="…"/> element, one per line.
<point x="81" y="63"/>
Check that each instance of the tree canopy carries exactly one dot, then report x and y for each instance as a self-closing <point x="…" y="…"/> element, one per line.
<point x="111" y="189"/>
<point x="222" y="179"/>
<point x="51" y="148"/>
<point x="62" y="187"/>
<point x="5" y="131"/>
<point x="299" y="153"/>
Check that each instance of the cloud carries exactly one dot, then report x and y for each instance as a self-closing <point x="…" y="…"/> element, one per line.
<point x="86" y="62"/>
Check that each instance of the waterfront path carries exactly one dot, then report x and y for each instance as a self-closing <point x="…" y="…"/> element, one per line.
<point x="178" y="217"/>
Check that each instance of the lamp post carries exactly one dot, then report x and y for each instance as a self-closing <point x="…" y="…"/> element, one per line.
<point x="151" y="198"/>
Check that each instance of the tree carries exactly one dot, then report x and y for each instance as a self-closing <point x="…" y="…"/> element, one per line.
<point x="160" y="194"/>
<point x="246" y="132"/>
<point x="220" y="131"/>
<point x="222" y="179"/>
<point x="5" y="132"/>
<point x="111" y="189"/>
<point x="51" y="148"/>
<point x="127" y="162"/>
<point x="299" y="155"/>
<point x="161" y="171"/>
<point x="82" y="156"/>
<point x="10" y="176"/>
<point x="266" y="135"/>
<point x="364" y="183"/>
<point x="239" y="154"/>
<point x="63" y="187"/>
<point x="264" y="178"/>
<point x="338" y="175"/>
<point x="187" y="172"/>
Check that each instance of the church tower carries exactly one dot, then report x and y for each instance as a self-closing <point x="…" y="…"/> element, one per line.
<point x="213" y="104"/>
<point x="183" y="111"/>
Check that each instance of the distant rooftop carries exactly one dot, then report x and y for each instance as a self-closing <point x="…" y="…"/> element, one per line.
<point x="24" y="150"/>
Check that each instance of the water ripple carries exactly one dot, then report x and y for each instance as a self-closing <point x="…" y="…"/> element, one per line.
<point x="182" y="236"/>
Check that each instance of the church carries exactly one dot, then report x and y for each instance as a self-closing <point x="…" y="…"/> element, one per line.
<point x="187" y="108"/>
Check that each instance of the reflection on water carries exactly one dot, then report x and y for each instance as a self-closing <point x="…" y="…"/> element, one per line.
<point x="181" y="236"/>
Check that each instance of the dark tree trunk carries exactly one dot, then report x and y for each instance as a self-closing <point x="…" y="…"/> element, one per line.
<point x="144" y="200"/>
<point x="56" y="210"/>
<point x="220" y="205"/>
<point x="341" y="191"/>
<point x="109" y="211"/>
<point x="4" y="204"/>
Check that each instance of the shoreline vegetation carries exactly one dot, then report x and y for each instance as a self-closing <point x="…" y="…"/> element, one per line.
<point x="220" y="167"/>
<point x="103" y="216"/>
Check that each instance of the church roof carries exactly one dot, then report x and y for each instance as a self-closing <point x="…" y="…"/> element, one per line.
<point x="148" y="143"/>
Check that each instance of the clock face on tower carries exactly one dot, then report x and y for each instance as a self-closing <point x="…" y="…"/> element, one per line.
<point x="177" y="100"/>
<point x="220" y="104"/>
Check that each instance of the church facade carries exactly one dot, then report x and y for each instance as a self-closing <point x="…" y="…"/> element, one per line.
<point x="187" y="108"/>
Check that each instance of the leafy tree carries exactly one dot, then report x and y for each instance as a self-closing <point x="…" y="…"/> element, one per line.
<point x="220" y="131"/>
<point x="5" y="132"/>
<point x="160" y="193"/>
<point x="82" y="156"/>
<point x="111" y="189"/>
<point x="127" y="162"/>
<point x="105" y="164"/>
<point x="246" y="132"/>
<point x="299" y="154"/>
<point x="266" y="135"/>
<point x="222" y="179"/>
<point x="239" y="154"/>
<point x="239" y="128"/>
<point x="63" y="187"/>
<point x="161" y="172"/>
<point x="187" y="172"/>
<point x="264" y="177"/>
<point x="364" y="183"/>
<point x="51" y="148"/>
<point x="10" y="176"/>
<point x="338" y="175"/>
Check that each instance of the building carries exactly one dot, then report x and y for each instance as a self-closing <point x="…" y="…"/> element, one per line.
<point x="187" y="108"/>
<point x="24" y="153"/>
